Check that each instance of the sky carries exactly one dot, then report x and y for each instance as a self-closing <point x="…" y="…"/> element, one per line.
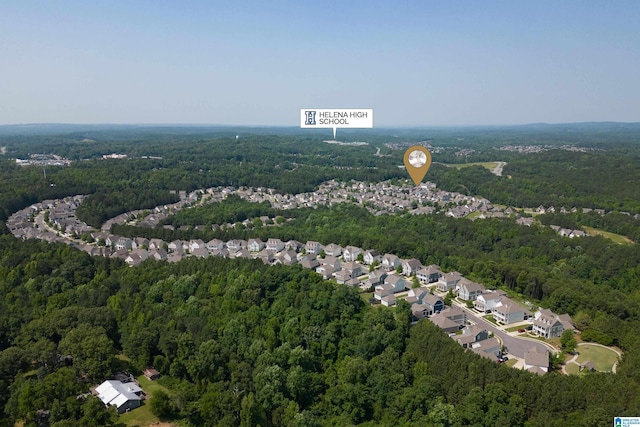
<point x="416" y="63"/>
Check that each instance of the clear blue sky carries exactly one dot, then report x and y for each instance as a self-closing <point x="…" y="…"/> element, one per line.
<point x="420" y="63"/>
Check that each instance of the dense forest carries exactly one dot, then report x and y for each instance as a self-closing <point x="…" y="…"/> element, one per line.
<point x="241" y="343"/>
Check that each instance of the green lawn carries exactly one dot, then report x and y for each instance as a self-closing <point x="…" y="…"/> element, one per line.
<point x="142" y="416"/>
<point x="603" y="358"/>
<point x="617" y="238"/>
<point x="491" y="319"/>
<point x="572" y="369"/>
<point x="515" y="328"/>
<point x="488" y="165"/>
<point x="511" y="362"/>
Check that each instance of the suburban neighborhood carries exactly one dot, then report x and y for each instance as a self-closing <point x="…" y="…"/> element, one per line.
<point x="479" y="319"/>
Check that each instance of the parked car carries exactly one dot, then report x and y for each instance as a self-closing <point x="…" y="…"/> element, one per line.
<point x="521" y="330"/>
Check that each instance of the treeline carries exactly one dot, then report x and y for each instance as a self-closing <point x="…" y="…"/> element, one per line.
<point x="601" y="179"/>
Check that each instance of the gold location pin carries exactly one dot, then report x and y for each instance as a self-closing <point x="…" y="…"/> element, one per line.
<point x="417" y="160"/>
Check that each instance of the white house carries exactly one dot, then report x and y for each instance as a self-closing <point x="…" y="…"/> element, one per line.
<point x="390" y="262"/>
<point x="509" y="312"/>
<point x="255" y="245"/>
<point x="124" y="396"/>
<point x="275" y="245"/>
<point x="448" y="281"/>
<point x="351" y="253"/>
<point x="371" y="256"/>
<point x="489" y="301"/>
<point x="411" y="266"/>
<point x="468" y="290"/>
<point x="313" y="248"/>
<point x="333" y="250"/>
<point x="429" y="274"/>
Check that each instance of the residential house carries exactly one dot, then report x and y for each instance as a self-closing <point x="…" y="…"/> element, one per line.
<point x="158" y="254"/>
<point x="151" y="373"/>
<point x="468" y="290"/>
<point x="326" y="271"/>
<point x="455" y="314"/>
<point x="433" y="303"/>
<point x="124" y="396"/>
<point x="429" y="274"/>
<point x="197" y="244"/>
<point x="200" y="252"/>
<point x="266" y="256"/>
<point x="376" y="277"/>
<point x="275" y="245"/>
<point x="351" y="253"/>
<point x="444" y="323"/>
<point x="398" y="282"/>
<point x="488" y="302"/>
<point x="242" y="253"/>
<point x="372" y="256"/>
<point x="287" y="258"/>
<point x="140" y="243"/>
<point x="420" y="311"/>
<point x="508" y="311"/>
<point x="392" y="285"/>
<point x="353" y="268"/>
<point x="331" y="261"/>
<point x="215" y="245"/>
<point x="309" y="262"/>
<point x="156" y="244"/>
<point x="470" y="335"/>
<point x="416" y="295"/>
<point x="123" y="243"/>
<point x="313" y="248"/>
<point x="411" y="266"/>
<point x="293" y="245"/>
<point x="333" y="250"/>
<point x="390" y="262"/>
<point x="537" y="361"/>
<point x="448" y="281"/>
<point x="255" y="245"/>
<point x="388" y="300"/>
<point x="549" y="325"/>
<point x="489" y="348"/>
<point x="177" y="245"/>
<point x="235" y="245"/>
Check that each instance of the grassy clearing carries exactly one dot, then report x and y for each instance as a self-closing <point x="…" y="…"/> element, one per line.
<point x="511" y="362"/>
<point x="603" y="358"/>
<point x="617" y="238"/>
<point x="142" y="416"/>
<point x="572" y="369"/>
<point x="474" y="215"/>
<point x="488" y="165"/>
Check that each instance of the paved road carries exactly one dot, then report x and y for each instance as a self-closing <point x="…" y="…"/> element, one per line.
<point x="516" y="346"/>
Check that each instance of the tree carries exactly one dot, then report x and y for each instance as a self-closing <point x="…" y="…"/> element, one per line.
<point x="91" y="349"/>
<point x="415" y="283"/>
<point x="448" y="298"/>
<point x="568" y="341"/>
<point x="161" y="404"/>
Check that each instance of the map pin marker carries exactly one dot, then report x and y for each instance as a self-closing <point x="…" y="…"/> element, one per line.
<point x="417" y="160"/>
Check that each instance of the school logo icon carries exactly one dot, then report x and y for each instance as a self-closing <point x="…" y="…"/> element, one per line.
<point x="311" y="118"/>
